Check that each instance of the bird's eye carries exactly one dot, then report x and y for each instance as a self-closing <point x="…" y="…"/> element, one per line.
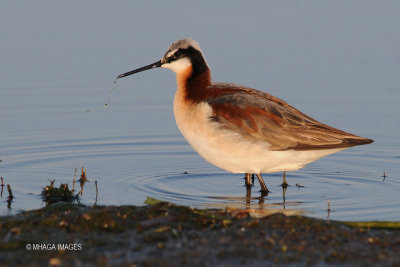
<point x="177" y="53"/>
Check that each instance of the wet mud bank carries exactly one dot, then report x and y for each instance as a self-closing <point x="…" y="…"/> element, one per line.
<point x="163" y="234"/>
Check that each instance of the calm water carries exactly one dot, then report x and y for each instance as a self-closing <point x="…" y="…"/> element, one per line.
<point x="340" y="64"/>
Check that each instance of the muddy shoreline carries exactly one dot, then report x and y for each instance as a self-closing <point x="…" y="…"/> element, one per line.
<point x="163" y="234"/>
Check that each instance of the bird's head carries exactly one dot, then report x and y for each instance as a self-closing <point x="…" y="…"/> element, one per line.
<point x="180" y="56"/>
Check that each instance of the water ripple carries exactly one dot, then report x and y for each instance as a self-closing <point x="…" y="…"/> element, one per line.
<point x="130" y="168"/>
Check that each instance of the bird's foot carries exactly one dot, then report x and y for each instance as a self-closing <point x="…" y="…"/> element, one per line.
<point x="264" y="192"/>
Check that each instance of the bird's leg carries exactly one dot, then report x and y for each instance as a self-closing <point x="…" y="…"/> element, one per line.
<point x="284" y="183"/>
<point x="252" y="178"/>
<point x="284" y="196"/>
<point x="248" y="196"/>
<point x="264" y="189"/>
<point x="247" y="178"/>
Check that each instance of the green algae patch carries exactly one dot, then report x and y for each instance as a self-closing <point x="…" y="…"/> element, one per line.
<point x="375" y="225"/>
<point x="152" y="201"/>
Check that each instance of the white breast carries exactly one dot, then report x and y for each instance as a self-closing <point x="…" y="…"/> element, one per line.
<point x="229" y="150"/>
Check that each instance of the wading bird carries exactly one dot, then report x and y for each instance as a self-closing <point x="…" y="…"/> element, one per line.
<point x="240" y="129"/>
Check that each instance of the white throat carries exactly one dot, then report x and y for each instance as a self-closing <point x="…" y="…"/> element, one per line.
<point x="179" y="65"/>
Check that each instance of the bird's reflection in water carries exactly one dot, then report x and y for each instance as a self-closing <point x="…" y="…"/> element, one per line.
<point x="255" y="203"/>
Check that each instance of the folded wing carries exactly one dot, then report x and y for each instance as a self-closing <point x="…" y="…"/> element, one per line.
<point x="258" y="116"/>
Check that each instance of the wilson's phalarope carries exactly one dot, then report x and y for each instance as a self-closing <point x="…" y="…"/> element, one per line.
<point x="240" y="129"/>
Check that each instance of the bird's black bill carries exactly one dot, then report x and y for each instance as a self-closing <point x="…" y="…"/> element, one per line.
<point x="148" y="67"/>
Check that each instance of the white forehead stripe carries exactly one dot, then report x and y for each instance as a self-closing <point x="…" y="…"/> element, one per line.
<point x="170" y="53"/>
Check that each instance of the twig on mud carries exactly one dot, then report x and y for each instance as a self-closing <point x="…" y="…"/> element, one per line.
<point x="83" y="179"/>
<point x="2" y="186"/>
<point x="10" y="196"/>
<point x="73" y="182"/>
<point x="97" y="191"/>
